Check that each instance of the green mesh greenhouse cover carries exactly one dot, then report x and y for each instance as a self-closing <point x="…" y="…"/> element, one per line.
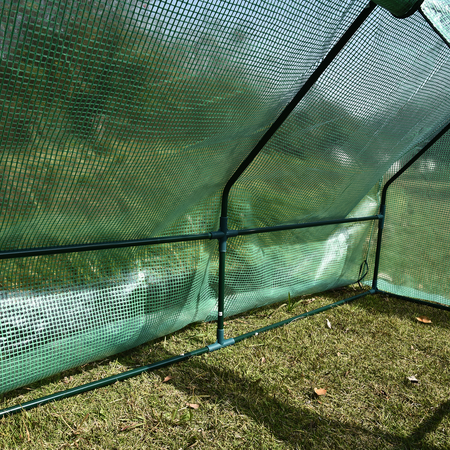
<point x="124" y="120"/>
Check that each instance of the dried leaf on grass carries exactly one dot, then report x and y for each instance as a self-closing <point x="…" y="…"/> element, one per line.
<point x="320" y="391"/>
<point x="263" y="360"/>
<point x="193" y="405"/>
<point x="423" y="319"/>
<point x="328" y="324"/>
<point x="413" y="379"/>
<point x="168" y="378"/>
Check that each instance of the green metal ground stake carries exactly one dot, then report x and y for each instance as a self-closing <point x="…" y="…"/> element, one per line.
<point x="167" y="362"/>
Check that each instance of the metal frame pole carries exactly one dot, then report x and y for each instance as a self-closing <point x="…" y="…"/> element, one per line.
<point x="222" y="235"/>
<point x="329" y="58"/>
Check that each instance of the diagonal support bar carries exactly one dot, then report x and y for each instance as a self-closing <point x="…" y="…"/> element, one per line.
<point x="340" y="44"/>
<point x="160" y="364"/>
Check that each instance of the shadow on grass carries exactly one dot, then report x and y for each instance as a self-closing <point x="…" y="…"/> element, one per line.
<point x="429" y="425"/>
<point x="300" y="427"/>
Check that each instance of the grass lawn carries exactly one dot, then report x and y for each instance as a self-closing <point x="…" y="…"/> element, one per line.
<point x="260" y="393"/>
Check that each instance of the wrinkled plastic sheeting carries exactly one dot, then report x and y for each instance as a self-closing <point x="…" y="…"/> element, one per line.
<point x="259" y="273"/>
<point x="48" y="332"/>
<point x="437" y="13"/>
<point x="44" y="332"/>
<point x="127" y="160"/>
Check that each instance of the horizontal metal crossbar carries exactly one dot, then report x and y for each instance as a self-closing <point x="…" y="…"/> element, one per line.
<point x="29" y="252"/>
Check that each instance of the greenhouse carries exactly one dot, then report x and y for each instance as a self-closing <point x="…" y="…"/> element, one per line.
<point x="173" y="162"/>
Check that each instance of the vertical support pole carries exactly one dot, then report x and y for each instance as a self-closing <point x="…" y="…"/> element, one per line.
<point x="224" y="232"/>
<point x="222" y="237"/>
<point x="222" y="271"/>
<point x="379" y="239"/>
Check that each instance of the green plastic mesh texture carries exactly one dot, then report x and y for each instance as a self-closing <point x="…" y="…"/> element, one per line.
<point x="350" y="128"/>
<point x="124" y="120"/>
<point x="414" y="257"/>
<point x="68" y="323"/>
<point x="110" y="109"/>
<point x="330" y="153"/>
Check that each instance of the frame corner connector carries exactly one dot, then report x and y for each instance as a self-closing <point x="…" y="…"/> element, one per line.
<point x="217" y="345"/>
